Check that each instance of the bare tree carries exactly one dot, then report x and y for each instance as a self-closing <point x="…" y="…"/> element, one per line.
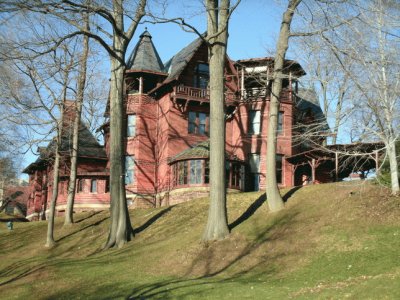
<point x="114" y="15"/>
<point x="76" y="125"/>
<point x="47" y="81"/>
<point x="328" y="79"/>
<point x="218" y="13"/>
<point x="372" y="42"/>
<point x="275" y="201"/>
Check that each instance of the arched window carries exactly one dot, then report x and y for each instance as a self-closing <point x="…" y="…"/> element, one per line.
<point x="93" y="186"/>
<point x="81" y="183"/>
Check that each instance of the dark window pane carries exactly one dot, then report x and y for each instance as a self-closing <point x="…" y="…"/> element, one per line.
<point x="254" y="162"/>
<point x="280" y="122"/>
<point x="81" y="183"/>
<point x="192" y="122"/>
<point x="201" y="76"/>
<point x="279" y="158"/>
<point x="207" y="172"/>
<point x="202" y="123"/>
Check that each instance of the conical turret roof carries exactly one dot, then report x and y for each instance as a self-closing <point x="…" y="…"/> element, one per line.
<point x="144" y="56"/>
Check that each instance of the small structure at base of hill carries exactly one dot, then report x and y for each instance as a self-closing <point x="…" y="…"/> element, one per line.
<point x="92" y="187"/>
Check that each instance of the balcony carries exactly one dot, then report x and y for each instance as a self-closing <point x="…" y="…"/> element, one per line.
<point x="257" y="93"/>
<point x="201" y="95"/>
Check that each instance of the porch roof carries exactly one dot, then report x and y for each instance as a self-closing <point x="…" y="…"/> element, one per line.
<point x="198" y="151"/>
<point x="328" y="152"/>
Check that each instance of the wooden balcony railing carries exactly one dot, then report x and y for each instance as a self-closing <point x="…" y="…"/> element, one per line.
<point x="203" y="95"/>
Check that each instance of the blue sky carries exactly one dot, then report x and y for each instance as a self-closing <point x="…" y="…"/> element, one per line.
<point x="252" y="30"/>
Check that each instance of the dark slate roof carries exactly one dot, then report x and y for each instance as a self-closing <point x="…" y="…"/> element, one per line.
<point x="308" y="100"/>
<point x="144" y="56"/>
<point x="88" y="144"/>
<point x="177" y="63"/>
<point x="88" y="147"/>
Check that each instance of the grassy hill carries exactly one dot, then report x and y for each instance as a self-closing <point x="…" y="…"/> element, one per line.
<point x="331" y="241"/>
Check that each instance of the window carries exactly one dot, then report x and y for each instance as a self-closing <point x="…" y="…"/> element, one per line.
<point x="93" y="186"/>
<point x="198" y="123"/>
<point x="280" y="122"/>
<point x="207" y="171"/>
<point x="254" y="162"/>
<point x="196" y="172"/>
<point x="107" y="186"/>
<point x="131" y="123"/>
<point x="191" y="172"/>
<point x="254" y="122"/>
<point x="181" y="173"/>
<point x="201" y="76"/>
<point x="279" y="159"/>
<point x="235" y="175"/>
<point x="129" y="169"/>
<point x="81" y="184"/>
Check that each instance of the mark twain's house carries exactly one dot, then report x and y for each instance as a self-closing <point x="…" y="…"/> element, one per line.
<point x="167" y="117"/>
<point x="167" y="128"/>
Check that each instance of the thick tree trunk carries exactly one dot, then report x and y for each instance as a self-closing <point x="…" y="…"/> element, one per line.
<point x="275" y="201"/>
<point x="121" y="229"/>
<point x="217" y="224"/>
<point x="69" y="211"/>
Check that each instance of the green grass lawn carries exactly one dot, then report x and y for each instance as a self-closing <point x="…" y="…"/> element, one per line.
<point x="332" y="241"/>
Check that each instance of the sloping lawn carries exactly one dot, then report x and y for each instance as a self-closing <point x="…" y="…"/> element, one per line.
<point x="332" y="241"/>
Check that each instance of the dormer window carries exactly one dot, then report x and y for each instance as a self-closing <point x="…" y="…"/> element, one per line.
<point x="201" y="76"/>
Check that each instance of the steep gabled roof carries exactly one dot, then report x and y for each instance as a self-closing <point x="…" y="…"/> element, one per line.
<point x="178" y="62"/>
<point x="88" y="147"/>
<point x="88" y="144"/>
<point x="144" y="56"/>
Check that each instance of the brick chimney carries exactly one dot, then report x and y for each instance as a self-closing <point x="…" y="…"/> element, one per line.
<point x="69" y="113"/>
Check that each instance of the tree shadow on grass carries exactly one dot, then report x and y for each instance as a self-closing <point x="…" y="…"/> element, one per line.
<point x="291" y="192"/>
<point x="249" y="211"/>
<point x="257" y="204"/>
<point x="83" y="228"/>
<point x="151" y="220"/>
<point x="16" y="268"/>
<point x="210" y="275"/>
<point x="89" y="216"/>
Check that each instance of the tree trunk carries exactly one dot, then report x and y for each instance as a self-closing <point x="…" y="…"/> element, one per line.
<point x="217" y="224"/>
<point x="394" y="169"/>
<point x="121" y="229"/>
<point x="69" y="211"/>
<point x="52" y="209"/>
<point x="275" y="201"/>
